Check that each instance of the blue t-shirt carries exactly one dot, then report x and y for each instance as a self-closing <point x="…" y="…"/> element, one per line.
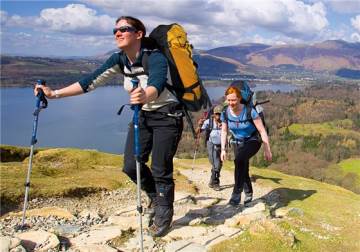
<point x="215" y="134"/>
<point x="239" y="126"/>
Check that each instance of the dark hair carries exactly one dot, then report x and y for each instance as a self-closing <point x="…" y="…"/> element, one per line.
<point x="134" y="22"/>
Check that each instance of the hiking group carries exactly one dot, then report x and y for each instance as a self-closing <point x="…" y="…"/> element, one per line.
<point x="167" y="88"/>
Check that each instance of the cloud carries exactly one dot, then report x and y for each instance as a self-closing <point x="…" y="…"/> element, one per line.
<point x="212" y="23"/>
<point x="3" y="17"/>
<point x="289" y="17"/>
<point x="76" y="19"/>
<point x="344" y="6"/>
<point x="355" y="22"/>
<point x="209" y="23"/>
<point x="355" y="37"/>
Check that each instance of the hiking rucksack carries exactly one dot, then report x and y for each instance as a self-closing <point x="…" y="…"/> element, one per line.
<point x="171" y="41"/>
<point x="247" y="98"/>
<point x="187" y="86"/>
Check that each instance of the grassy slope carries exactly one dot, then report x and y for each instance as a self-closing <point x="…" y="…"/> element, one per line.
<point x="339" y="127"/>
<point x="351" y="165"/>
<point x="67" y="172"/>
<point x="331" y="219"/>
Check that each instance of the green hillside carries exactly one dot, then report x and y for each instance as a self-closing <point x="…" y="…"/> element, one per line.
<point x="62" y="172"/>
<point x="321" y="224"/>
<point x="321" y="217"/>
<point x="338" y="127"/>
<point x="351" y="165"/>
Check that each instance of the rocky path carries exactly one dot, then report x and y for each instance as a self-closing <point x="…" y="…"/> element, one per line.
<point x="99" y="223"/>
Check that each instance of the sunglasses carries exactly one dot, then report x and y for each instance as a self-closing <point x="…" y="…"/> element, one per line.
<point x="123" y="29"/>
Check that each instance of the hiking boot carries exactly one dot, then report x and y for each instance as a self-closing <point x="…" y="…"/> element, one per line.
<point x="248" y="198"/>
<point x="159" y="231"/>
<point x="235" y="199"/>
<point x="211" y="182"/>
<point x="150" y="210"/>
<point x="216" y="187"/>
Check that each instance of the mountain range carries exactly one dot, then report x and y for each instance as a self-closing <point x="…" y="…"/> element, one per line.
<point x="330" y="56"/>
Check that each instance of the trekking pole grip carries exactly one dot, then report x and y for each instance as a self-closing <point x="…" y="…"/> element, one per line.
<point x="41" y="101"/>
<point x="135" y="83"/>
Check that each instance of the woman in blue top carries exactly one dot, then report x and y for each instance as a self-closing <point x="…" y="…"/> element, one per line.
<point x="160" y="122"/>
<point x="246" y="141"/>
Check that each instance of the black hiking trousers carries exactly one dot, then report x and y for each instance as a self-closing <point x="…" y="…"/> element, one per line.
<point x="159" y="135"/>
<point x="243" y="152"/>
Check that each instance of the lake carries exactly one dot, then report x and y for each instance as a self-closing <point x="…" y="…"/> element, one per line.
<point x="87" y="121"/>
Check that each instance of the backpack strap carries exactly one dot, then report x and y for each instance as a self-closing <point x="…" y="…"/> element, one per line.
<point x="144" y="63"/>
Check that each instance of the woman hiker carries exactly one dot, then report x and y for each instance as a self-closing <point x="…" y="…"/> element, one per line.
<point x="160" y="120"/>
<point x="246" y="143"/>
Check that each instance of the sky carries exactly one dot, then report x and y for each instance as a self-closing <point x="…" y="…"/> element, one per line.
<point x="84" y="28"/>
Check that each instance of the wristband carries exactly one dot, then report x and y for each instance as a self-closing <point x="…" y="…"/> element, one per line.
<point x="57" y="95"/>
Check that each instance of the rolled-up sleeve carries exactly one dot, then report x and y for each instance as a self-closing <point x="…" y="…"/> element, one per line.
<point x="158" y="68"/>
<point x="103" y="74"/>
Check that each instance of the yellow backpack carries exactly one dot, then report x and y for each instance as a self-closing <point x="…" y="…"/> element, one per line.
<point x="187" y="86"/>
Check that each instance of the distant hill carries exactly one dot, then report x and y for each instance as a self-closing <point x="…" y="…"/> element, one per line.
<point x="329" y="55"/>
<point x="323" y="61"/>
<point x="336" y="56"/>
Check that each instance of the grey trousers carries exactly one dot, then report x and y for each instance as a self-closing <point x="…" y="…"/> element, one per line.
<point x="214" y="152"/>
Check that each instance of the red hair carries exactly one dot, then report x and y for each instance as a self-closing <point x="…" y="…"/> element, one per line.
<point x="233" y="90"/>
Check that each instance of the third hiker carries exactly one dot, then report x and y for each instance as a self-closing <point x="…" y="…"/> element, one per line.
<point x="212" y="128"/>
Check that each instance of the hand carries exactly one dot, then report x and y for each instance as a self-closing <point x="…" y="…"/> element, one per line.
<point x="268" y="154"/>
<point x="48" y="92"/>
<point x="138" y="96"/>
<point x="223" y="155"/>
<point x="201" y="121"/>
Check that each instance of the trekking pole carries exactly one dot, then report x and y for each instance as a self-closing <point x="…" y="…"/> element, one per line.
<point x="196" y="147"/>
<point x="136" y="107"/>
<point x="41" y="103"/>
<point x="205" y="114"/>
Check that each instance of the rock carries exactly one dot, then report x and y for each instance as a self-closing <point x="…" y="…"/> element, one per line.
<point x="87" y="214"/>
<point x="47" y="212"/>
<point x="228" y="231"/>
<point x="14" y="242"/>
<point x="18" y="249"/>
<point x="133" y="243"/>
<point x="39" y="240"/>
<point x="294" y="212"/>
<point x="244" y="220"/>
<point x="184" y="246"/>
<point x="123" y="222"/>
<point x="176" y="246"/>
<point x="92" y="247"/>
<point x="281" y="212"/>
<point x="258" y="207"/>
<point x="206" y="201"/>
<point x="184" y="233"/>
<point x="5" y="244"/>
<point x="128" y="211"/>
<point x="195" y="222"/>
<point x="265" y="225"/>
<point x="67" y="230"/>
<point x="183" y="198"/>
<point x="99" y="235"/>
